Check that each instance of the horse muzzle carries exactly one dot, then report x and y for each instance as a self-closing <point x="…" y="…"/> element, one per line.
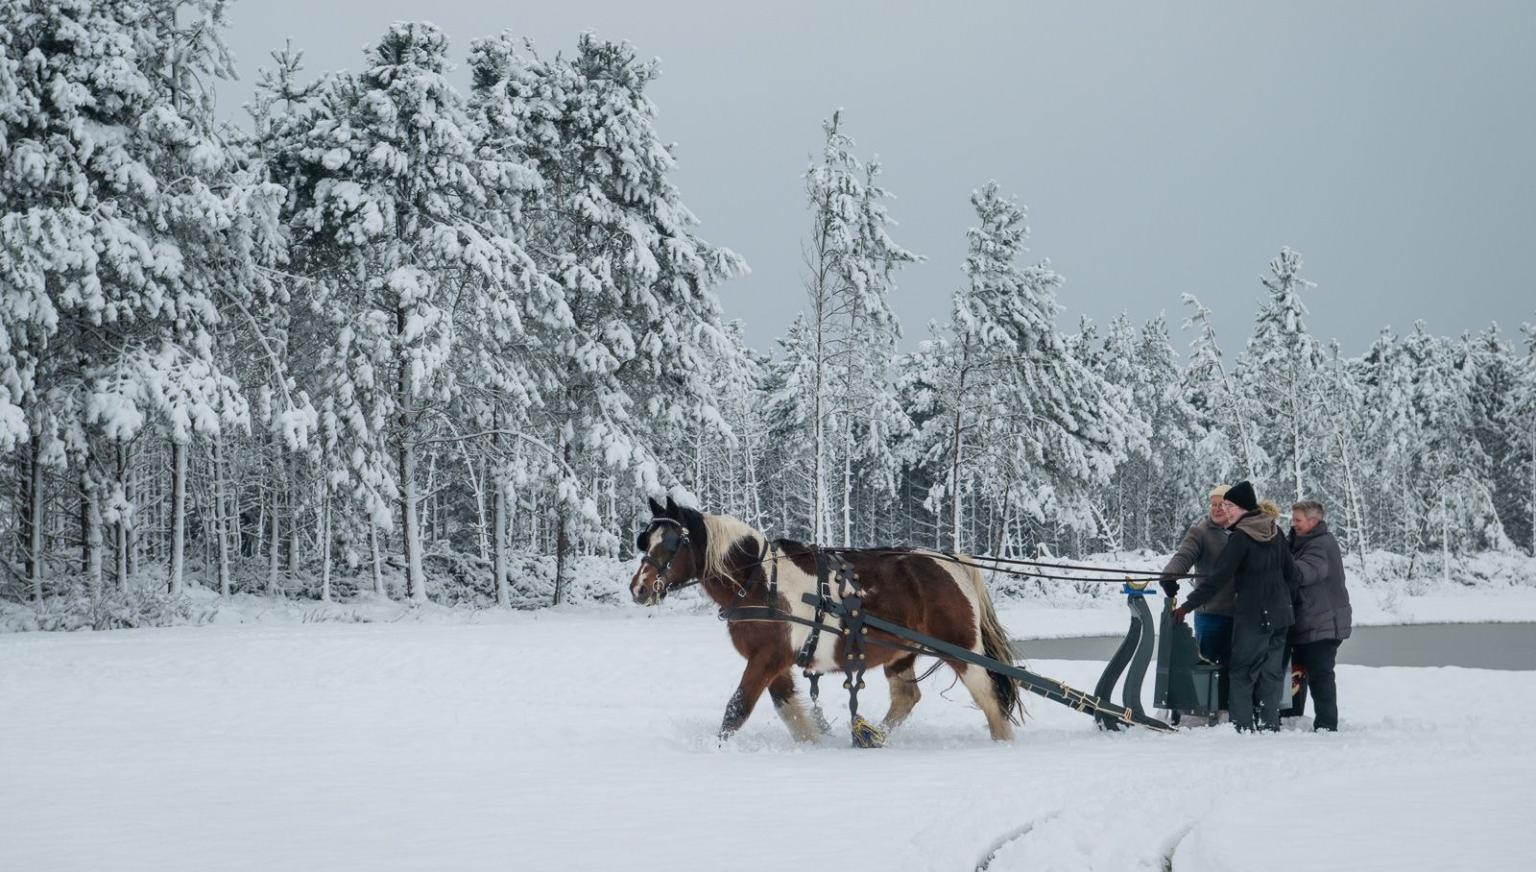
<point x="647" y="593"/>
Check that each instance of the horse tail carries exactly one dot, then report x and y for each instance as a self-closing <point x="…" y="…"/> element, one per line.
<point x="994" y="644"/>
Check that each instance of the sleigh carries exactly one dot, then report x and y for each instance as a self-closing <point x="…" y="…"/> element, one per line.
<point x="1185" y="683"/>
<point x="1189" y="684"/>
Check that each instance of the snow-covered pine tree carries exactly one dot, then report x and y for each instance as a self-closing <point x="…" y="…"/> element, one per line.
<point x="791" y="393"/>
<point x="389" y="202"/>
<point x="1279" y="372"/>
<point x="1227" y="415"/>
<point x="1341" y="469"/>
<point x="1451" y="505"/>
<point x="125" y="221"/>
<point x="1023" y="420"/>
<point x="1391" y="436"/>
<point x="1495" y="379"/>
<point x="1522" y="418"/>
<point x="1154" y="494"/>
<point x="639" y="282"/>
<point x="850" y="262"/>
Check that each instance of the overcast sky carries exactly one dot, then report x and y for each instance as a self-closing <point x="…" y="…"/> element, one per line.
<point x="1160" y="149"/>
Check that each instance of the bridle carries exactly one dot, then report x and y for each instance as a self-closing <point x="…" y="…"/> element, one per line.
<point x="674" y="539"/>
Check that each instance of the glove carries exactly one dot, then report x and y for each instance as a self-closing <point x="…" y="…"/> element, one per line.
<point x="1170" y="587"/>
<point x="1178" y="615"/>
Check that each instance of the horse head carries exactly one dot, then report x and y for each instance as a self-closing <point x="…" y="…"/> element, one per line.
<point x="671" y="548"/>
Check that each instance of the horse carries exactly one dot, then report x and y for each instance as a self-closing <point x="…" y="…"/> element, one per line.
<point x="917" y="589"/>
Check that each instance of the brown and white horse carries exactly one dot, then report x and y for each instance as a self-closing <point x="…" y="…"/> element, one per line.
<point x="916" y="589"/>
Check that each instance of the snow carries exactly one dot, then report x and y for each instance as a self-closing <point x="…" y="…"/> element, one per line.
<point x="585" y="740"/>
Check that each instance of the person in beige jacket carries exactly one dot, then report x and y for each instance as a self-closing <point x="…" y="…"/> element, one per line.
<point x="1197" y="553"/>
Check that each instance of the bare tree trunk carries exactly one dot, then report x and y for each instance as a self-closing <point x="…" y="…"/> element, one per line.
<point x="499" y="544"/>
<point x="34" y="519"/>
<point x="415" y="579"/>
<point x="221" y="514"/>
<point x="90" y="518"/>
<point x="415" y="582"/>
<point x="178" y="515"/>
<point x="477" y="483"/>
<point x="261" y="522"/>
<point x="274" y="536"/>
<point x="378" y="568"/>
<point x="120" y="529"/>
<point x="848" y="481"/>
<point x="1295" y="401"/>
<point x="1353" y="493"/>
<point x="293" y="492"/>
<point x="325" y="546"/>
<point x="1445" y="538"/>
<point x="819" y="532"/>
<point x="754" y="503"/>
<point x="562" y="534"/>
<point x="955" y="449"/>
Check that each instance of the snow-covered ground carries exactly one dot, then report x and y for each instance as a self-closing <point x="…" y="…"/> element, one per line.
<point x="585" y="740"/>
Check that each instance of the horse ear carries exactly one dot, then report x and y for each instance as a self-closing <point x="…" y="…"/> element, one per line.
<point x="657" y="509"/>
<point x="672" y="510"/>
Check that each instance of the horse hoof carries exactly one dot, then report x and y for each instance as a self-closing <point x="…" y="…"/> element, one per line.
<point x="867" y="735"/>
<point x="822" y="723"/>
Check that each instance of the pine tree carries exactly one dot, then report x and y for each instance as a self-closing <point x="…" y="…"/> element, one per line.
<point x="126" y="222"/>
<point x="1225" y="413"/>
<point x="850" y="264"/>
<point x="1279" y="372"/>
<point x="791" y="391"/>
<point x="1522" y="417"/>
<point x="612" y="230"/>
<point x="1153" y="491"/>
<point x="1025" y="421"/>
<point x="390" y="198"/>
<point x="1495" y="377"/>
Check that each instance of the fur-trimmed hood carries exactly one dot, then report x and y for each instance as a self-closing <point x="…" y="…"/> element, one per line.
<point x="1258" y="525"/>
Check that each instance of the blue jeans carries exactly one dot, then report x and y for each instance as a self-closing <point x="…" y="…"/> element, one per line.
<point x="1213" y="633"/>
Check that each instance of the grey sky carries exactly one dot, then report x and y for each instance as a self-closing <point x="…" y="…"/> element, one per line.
<point x="1160" y="148"/>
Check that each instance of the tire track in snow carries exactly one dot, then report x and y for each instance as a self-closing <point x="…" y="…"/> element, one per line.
<point x="1010" y="837"/>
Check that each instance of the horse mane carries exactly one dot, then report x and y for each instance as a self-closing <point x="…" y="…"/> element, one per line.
<point x="723" y="532"/>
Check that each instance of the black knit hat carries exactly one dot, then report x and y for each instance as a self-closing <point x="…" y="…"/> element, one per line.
<point x="1242" y="495"/>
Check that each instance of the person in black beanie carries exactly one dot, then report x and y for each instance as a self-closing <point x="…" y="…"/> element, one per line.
<point x="1257" y="565"/>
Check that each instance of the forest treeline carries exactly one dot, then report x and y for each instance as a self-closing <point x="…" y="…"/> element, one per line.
<point x="392" y="335"/>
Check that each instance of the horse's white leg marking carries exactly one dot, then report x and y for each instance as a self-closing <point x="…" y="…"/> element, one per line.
<point x="979" y="683"/>
<point x="904" y="694"/>
<point x="796" y="717"/>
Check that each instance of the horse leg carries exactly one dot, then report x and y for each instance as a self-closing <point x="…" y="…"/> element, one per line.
<point x="754" y="679"/>
<point x="979" y="683"/>
<point x="791" y="709"/>
<point x="902" y="676"/>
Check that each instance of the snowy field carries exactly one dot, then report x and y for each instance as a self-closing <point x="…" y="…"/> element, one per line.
<point x="585" y="740"/>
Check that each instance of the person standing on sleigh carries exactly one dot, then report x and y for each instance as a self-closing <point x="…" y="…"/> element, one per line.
<point x="1256" y="565"/>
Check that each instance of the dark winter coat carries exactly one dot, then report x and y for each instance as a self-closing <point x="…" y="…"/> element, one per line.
<point x="1197" y="553"/>
<point x="1257" y="566"/>
<point x="1324" y="612"/>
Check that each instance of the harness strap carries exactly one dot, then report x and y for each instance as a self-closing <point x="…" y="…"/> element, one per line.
<point x="807" y="653"/>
